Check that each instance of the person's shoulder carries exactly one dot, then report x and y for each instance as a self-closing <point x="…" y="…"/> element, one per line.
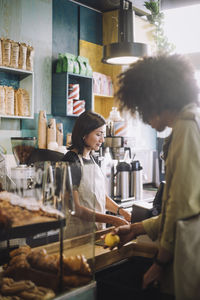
<point x="71" y="156"/>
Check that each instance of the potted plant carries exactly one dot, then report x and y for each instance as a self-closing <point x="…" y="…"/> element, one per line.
<point x="156" y="17"/>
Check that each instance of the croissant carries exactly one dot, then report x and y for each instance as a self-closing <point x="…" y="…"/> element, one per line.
<point x="76" y="264"/>
<point x="22" y="250"/>
<point x="39" y="259"/>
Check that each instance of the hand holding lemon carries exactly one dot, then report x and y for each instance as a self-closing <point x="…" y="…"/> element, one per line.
<point x="111" y="240"/>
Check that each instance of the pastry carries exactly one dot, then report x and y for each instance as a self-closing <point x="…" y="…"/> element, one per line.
<point x="21" y="250"/>
<point x="76" y="264"/>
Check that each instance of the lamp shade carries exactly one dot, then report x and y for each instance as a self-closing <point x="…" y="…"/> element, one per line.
<point x="125" y="51"/>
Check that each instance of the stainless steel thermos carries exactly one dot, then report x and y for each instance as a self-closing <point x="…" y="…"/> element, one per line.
<point x="122" y="180"/>
<point x="136" y="180"/>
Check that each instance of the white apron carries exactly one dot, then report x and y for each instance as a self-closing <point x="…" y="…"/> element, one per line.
<point x="91" y="195"/>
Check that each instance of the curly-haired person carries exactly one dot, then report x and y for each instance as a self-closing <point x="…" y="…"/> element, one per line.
<point x="164" y="91"/>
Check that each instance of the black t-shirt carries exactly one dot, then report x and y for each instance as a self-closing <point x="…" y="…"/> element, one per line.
<point x="75" y="165"/>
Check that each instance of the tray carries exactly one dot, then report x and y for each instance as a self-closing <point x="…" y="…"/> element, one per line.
<point x="31" y="229"/>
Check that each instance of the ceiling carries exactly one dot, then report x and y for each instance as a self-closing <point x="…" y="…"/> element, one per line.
<point x="106" y="5"/>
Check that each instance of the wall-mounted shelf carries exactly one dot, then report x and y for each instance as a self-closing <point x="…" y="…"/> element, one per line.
<point x="18" y="78"/>
<point x="21" y="73"/>
<point x="103" y="96"/>
<point x="60" y="83"/>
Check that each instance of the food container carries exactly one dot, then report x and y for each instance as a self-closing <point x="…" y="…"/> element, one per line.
<point x="78" y="107"/>
<point x="73" y="91"/>
<point x="22" y="148"/>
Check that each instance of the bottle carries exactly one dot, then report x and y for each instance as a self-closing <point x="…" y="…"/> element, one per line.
<point x="114" y="115"/>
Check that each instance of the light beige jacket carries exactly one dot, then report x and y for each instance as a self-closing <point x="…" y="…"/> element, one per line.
<point x="181" y="195"/>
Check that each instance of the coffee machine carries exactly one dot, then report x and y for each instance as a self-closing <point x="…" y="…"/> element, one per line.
<point x="22" y="175"/>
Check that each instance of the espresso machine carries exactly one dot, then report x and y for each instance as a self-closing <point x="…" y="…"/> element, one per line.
<point x="22" y="175"/>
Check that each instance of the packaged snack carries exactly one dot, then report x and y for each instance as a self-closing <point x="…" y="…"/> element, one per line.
<point x="76" y="69"/>
<point x="73" y="91"/>
<point x="22" y="103"/>
<point x="14" y="57"/>
<point x="22" y="56"/>
<point x="59" y="65"/>
<point x="30" y="58"/>
<point x="2" y="101"/>
<point x="9" y="100"/>
<point x="68" y="62"/>
<point x="85" y="68"/>
<point x="6" y="52"/>
<point x="78" y="107"/>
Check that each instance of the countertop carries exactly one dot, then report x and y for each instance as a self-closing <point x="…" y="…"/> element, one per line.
<point x="103" y="257"/>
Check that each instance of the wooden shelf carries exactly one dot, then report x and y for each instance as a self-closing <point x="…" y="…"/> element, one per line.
<point x="103" y="96"/>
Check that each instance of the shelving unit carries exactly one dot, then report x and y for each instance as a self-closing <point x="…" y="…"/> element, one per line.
<point x="103" y="104"/>
<point x="18" y="79"/>
<point x="60" y="83"/>
<point x="103" y="96"/>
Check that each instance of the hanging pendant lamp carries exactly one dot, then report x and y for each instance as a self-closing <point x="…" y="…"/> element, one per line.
<point x="125" y="51"/>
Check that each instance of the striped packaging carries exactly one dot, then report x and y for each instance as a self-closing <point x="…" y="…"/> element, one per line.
<point x="78" y="107"/>
<point x="120" y="128"/>
<point x="73" y="91"/>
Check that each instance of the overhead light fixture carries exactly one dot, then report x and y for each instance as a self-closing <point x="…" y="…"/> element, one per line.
<point x="125" y="51"/>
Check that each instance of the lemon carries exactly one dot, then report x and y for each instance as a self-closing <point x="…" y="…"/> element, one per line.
<point x="111" y="240"/>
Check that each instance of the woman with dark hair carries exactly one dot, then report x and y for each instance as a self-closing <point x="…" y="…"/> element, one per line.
<point x="164" y="91"/>
<point x="88" y="180"/>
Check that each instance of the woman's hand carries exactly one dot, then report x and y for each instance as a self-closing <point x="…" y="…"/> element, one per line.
<point x="153" y="274"/>
<point x="125" y="214"/>
<point x="119" y="221"/>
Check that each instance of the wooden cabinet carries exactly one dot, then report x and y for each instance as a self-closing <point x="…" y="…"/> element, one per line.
<point x="18" y="79"/>
<point x="60" y="92"/>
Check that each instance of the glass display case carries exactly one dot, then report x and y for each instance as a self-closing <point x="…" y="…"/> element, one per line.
<point x="58" y="269"/>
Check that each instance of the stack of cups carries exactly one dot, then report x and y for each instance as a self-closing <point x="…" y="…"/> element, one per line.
<point x="42" y="130"/>
<point x="51" y="135"/>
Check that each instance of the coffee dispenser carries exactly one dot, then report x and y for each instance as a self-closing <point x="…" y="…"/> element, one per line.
<point x="122" y="180"/>
<point x="136" y="180"/>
